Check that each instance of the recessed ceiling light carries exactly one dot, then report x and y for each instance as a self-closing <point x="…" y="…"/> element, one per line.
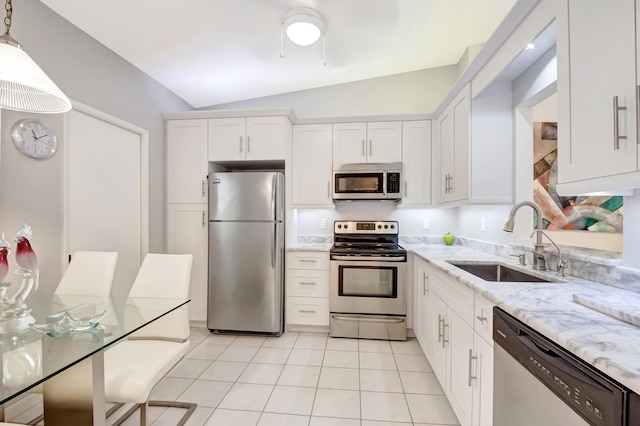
<point x="303" y="26"/>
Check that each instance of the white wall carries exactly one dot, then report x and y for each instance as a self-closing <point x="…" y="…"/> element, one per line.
<point x="90" y="73"/>
<point x="418" y="92"/>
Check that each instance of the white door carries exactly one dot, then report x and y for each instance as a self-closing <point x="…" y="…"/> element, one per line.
<point x="106" y="190"/>
<point x="349" y="143"/>
<point x="266" y="138"/>
<point x="312" y="165"/>
<point x="385" y="142"/>
<point x="227" y="139"/>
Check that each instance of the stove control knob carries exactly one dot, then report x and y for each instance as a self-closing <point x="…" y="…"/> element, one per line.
<point x="386" y="226"/>
<point x="339" y="226"/>
<point x="393" y="226"/>
<point x="346" y="226"/>
<point x="379" y="226"/>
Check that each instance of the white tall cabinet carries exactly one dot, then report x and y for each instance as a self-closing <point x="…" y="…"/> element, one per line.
<point x="311" y="166"/>
<point x="598" y="96"/>
<point x="187" y="196"/>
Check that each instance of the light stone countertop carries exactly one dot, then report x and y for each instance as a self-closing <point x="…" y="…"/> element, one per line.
<point x="610" y="345"/>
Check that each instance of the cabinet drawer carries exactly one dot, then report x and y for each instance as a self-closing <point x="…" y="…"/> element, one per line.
<point x="307" y="311"/>
<point x="455" y="294"/>
<point x="308" y="260"/>
<point x="483" y="318"/>
<point x="307" y="283"/>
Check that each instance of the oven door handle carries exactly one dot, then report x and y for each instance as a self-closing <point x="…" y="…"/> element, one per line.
<point x="370" y="258"/>
<point x="368" y="319"/>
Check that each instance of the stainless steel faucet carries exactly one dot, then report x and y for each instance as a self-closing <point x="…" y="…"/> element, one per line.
<point x="562" y="263"/>
<point x="539" y="263"/>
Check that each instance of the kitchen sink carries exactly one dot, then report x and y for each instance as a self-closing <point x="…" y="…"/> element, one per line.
<point x="491" y="271"/>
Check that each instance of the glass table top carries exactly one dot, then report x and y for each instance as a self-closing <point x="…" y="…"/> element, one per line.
<point x="30" y="356"/>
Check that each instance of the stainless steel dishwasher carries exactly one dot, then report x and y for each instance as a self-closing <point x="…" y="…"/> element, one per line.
<point x="537" y="382"/>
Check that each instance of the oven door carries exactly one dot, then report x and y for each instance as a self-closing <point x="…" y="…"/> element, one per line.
<point x="368" y="287"/>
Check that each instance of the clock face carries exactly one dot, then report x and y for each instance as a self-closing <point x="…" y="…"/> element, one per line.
<point x="34" y="139"/>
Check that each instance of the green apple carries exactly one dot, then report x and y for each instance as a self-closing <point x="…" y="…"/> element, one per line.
<point x="448" y="238"/>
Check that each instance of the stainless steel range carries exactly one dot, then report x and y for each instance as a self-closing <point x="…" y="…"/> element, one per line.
<point x="368" y="287"/>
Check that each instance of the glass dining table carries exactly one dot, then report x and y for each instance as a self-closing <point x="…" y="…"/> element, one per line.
<point x="67" y="362"/>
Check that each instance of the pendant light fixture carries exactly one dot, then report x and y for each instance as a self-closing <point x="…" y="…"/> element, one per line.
<point x="303" y="26"/>
<point x="23" y="84"/>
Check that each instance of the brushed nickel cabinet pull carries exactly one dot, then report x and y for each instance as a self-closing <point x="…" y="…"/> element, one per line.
<point x="307" y="283"/>
<point x="370" y="147"/>
<point x="203" y="218"/>
<point x="616" y="123"/>
<point x="363" y="151"/>
<point x="425" y="280"/>
<point x="241" y="144"/>
<point x="440" y="328"/>
<point x="305" y="311"/>
<point x="307" y="260"/>
<point x="329" y="189"/>
<point x="471" y="359"/>
<point x="444" y="337"/>
<point x="248" y="143"/>
<point x="405" y="188"/>
<point x="204" y="187"/>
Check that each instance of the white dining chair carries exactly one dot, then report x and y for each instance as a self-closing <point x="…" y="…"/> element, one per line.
<point x="133" y="367"/>
<point x="90" y="273"/>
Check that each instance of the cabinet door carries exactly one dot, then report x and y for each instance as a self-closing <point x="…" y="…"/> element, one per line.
<point x="602" y="65"/>
<point x="186" y="161"/>
<point x="454" y="139"/>
<point x="422" y="318"/>
<point x="482" y="383"/>
<point x="416" y="162"/>
<point x="266" y="138"/>
<point x="187" y="230"/>
<point x="384" y="142"/>
<point x="227" y="139"/>
<point x="349" y="143"/>
<point x="460" y="352"/>
<point x="437" y="313"/>
<point x="311" y="165"/>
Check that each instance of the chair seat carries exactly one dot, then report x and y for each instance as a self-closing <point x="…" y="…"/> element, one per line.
<point x="133" y="367"/>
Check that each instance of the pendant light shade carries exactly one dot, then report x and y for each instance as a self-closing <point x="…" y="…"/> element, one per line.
<point x="23" y="84"/>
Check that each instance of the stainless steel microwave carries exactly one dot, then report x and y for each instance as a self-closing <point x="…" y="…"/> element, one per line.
<point x="367" y="181"/>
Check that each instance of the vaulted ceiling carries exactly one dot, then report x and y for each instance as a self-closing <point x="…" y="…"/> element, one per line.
<point x="211" y="52"/>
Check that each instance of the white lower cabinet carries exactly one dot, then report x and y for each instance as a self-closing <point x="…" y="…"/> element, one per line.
<point x="187" y="233"/>
<point x="307" y="289"/>
<point x="450" y="336"/>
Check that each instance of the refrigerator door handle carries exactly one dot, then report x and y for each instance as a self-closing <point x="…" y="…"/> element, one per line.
<point x="273" y="245"/>
<point x="273" y="197"/>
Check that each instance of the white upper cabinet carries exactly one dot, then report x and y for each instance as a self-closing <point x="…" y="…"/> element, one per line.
<point x="311" y="165"/>
<point x="187" y="161"/>
<point x="251" y="138"/>
<point x="416" y="162"/>
<point x="367" y="142"/>
<point x="597" y="96"/>
<point x="454" y="140"/>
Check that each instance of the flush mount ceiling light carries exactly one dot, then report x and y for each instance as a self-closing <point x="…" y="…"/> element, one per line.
<point x="23" y="84"/>
<point x="303" y="26"/>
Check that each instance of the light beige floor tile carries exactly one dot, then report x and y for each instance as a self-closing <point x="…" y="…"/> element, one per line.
<point x="249" y="341"/>
<point x="171" y="417"/>
<point x="341" y="344"/>
<point x="219" y="339"/>
<point x="391" y="407"/>
<point x="380" y="423"/>
<point x="409" y="362"/>
<point x="291" y="400"/>
<point x="377" y="361"/>
<point x="264" y="374"/>
<point x="272" y="355"/>
<point x="332" y="421"/>
<point x="343" y="359"/>
<point x="299" y="375"/>
<point x="408" y="347"/>
<point x="380" y="381"/>
<point x="311" y="341"/>
<point x="222" y="417"/>
<point x="247" y="396"/>
<point x="374" y="346"/>
<point x="208" y="352"/>
<point x="339" y="378"/>
<point x="272" y="419"/>
<point x="287" y="340"/>
<point x="431" y="409"/>
<point x="169" y="388"/>
<point x="238" y="353"/>
<point x="306" y="357"/>
<point x="198" y="334"/>
<point x="420" y="383"/>
<point x="337" y="403"/>
<point x="205" y="393"/>
<point x="223" y="371"/>
<point x="189" y="368"/>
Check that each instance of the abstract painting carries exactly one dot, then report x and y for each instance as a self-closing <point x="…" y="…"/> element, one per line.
<point x="589" y="213"/>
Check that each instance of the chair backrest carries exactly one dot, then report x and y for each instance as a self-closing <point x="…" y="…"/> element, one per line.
<point x="164" y="276"/>
<point x="90" y="273"/>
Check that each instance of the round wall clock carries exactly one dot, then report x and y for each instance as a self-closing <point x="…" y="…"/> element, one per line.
<point x="34" y="139"/>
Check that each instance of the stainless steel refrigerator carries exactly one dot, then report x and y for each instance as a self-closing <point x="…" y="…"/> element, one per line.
<point x="246" y="252"/>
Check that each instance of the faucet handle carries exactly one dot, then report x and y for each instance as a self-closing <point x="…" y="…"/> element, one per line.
<point x="522" y="258"/>
<point x="563" y="264"/>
